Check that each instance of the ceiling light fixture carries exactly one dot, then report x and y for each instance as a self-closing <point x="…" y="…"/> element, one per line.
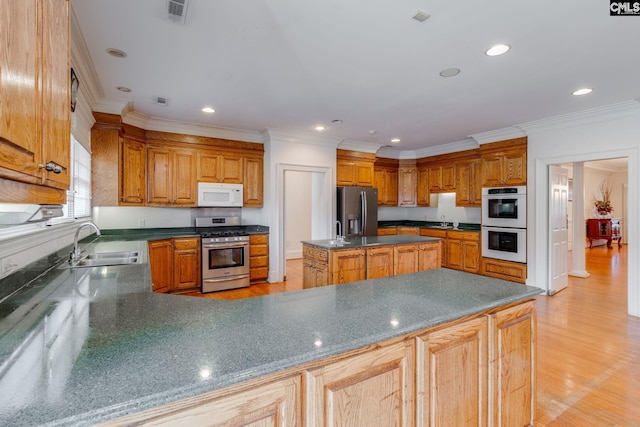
<point x="208" y="110"/>
<point x="583" y="91"/>
<point x="319" y="128"/>
<point x="123" y="89"/>
<point x="450" y="72"/>
<point x="497" y="49"/>
<point x="336" y="121"/>
<point x="395" y="140"/>
<point x="117" y="53"/>
<point x="420" y="16"/>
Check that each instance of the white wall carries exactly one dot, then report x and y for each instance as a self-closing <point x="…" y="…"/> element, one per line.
<point x="592" y="135"/>
<point x="297" y="211"/>
<point x="446" y="206"/>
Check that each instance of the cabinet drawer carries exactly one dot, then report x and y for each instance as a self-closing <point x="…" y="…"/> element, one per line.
<point x="187" y="243"/>
<point x="433" y="232"/>
<point x="259" y="239"/>
<point x="310" y="252"/>
<point x="259" y="273"/>
<point x="259" y="250"/>
<point x="387" y="231"/>
<point x="260" y="261"/>
<point x="464" y="235"/>
<point x="504" y="270"/>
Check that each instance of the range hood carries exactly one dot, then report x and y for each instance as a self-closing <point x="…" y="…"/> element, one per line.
<point x="18" y="213"/>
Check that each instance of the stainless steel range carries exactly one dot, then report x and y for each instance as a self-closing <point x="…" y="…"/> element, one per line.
<point x="225" y="253"/>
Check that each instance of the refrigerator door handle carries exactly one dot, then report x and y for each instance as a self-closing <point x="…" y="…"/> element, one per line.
<point x="363" y="201"/>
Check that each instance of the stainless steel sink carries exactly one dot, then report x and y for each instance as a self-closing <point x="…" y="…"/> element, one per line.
<point x="337" y="243"/>
<point x="101" y="259"/>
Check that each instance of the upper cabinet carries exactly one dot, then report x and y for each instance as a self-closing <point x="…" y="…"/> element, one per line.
<point x="469" y="183"/>
<point x="131" y="166"/>
<point x="442" y="178"/>
<point x="354" y="168"/>
<point x="407" y="179"/>
<point x="504" y="163"/>
<point x="386" y="181"/>
<point x="35" y="113"/>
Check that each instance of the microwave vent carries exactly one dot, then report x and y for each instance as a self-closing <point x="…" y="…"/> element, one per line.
<point x="177" y="10"/>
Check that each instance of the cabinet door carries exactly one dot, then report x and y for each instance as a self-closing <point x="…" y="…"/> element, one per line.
<point x="441" y="234"/>
<point x="183" y="173"/>
<point x="345" y="173"/>
<point x="370" y="389"/>
<point x="463" y="184"/>
<point x="454" y="253"/>
<point x="159" y="176"/>
<point x="475" y="183"/>
<point x="209" y="167"/>
<point x="492" y="166"/>
<point x="406" y="259"/>
<point x="186" y="263"/>
<point x="161" y="264"/>
<point x="231" y="170"/>
<point x="424" y="194"/>
<point x="56" y="112"/>
<point x="512" y="365"/>
<point x="471" y="256"/>
<point x="132" y="176"/>
<point x="448" y="183"/>
<point x="515" y="167"/>
<point x="407" y="190"/>
<point x="379" y="262"/>
<point x="452" y="385"/>
<point x="430" y="256"/>
<point x="275" y="404"/>
<point x="253" y="183"/>
<point x="364" y="174"/>
<point x="347" y="266"/>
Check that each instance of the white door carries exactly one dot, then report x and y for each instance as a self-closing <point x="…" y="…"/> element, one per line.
<point x="558" y="229"/>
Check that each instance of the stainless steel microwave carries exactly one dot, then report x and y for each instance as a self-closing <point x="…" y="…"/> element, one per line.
<point x="211" y="194"/>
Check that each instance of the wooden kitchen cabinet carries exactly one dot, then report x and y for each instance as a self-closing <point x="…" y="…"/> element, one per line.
<point x="186" y="264"/>
<point x="132" y="172"/>
<point x="406" y="259"/>
<point x="463" y="250"/>
<point x="175" y="264"/>
<point x="452" y="380"/>
<point x="253" y="180"/>
<point x="386" y="181"/>
<point x="354" y="168"/>
<point x="469" y="183"/>
<point x="209" y="166"/>
<point x="407" y="183"/>
<point x="35" y="83"/>
<point x="259" y="257"/>
<point x="315" y="267"/>
<point x="512" y="342"/>
<point x="380" y="262"/>
<point x="504" y="163"/>
<point x="429" y="256"/>
<point x="410" y="231"/>
<point x="442" y="178"/>
<point x="375" y="388"/>
<point x="347" y="265"/>
<point x="387" y="231"/>
<point x="507" y="270"/>
<point x="440" y="234"/>
<point x="171" y="177"/>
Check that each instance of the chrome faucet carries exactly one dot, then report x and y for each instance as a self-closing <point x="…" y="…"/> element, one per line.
<point x="444" y="221"/>
<point x="339" y="236"/>
<point x="75" y="254"/>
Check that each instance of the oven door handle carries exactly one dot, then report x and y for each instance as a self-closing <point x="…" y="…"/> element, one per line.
<point x="225" y="246"/>
<point x="226" y="279"/>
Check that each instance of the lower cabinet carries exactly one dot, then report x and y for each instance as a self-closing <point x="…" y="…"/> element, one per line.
<point x="371" y="389"/>
<point x="347" y="266"/>
<point x="406" y="258"/>
<point x="175" y="264"/>
<point x="259" y="257"/>
<point x="315" y="267"/>
<point x="379" y="262"/>
<point x="476" y="372"/>
<point x="452" y="387"/>
<point x="463" y="251"/>
<point x="507" y="270"/>
<point x="387" y="231"/>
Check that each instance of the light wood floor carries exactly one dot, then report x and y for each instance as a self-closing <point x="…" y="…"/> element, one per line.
<point x="588" y="347"/>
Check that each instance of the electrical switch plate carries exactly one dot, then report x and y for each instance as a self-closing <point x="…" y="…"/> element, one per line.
<point x="141" y="223"/>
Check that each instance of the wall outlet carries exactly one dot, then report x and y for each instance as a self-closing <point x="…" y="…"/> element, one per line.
<point x="141" y="223"/>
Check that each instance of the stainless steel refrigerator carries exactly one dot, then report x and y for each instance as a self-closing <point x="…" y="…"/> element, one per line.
<point x="358" y="211"/>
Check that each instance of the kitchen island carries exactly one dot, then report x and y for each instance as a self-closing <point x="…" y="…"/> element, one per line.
<point x="333" y="262"/>
<point x="90" y="345"/>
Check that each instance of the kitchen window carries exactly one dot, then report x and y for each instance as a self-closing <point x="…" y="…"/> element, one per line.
<point x="79" y="194"/>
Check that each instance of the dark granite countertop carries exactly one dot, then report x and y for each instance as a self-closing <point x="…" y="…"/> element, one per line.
<point x="428" y="224"/>
<point x="363" y="242"/>
<point x="81" y="346"/>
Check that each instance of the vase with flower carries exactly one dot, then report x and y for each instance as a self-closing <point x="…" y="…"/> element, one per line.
<point x="603" y="205"/>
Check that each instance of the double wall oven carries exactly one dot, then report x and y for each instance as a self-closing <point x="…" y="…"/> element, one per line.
<point x="504" y="223"/>
<point x="225" y="253"/>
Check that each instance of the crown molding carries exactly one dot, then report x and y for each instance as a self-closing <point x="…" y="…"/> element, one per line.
<point x="599" y="114"/>
<point x="467" y="144"/>
<point x="389" y="153"/>
<point x="366" y="147"/>
<point x="498" y="135"/>
<point x="272" y="134"/>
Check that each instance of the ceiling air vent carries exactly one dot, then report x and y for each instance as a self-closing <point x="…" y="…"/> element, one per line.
<point x="162" y="100"/>
<point x="177" y="10"/>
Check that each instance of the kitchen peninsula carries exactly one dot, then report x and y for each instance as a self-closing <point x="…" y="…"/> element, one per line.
<point x="89" y="345"/>
<point x="332" y="262"/>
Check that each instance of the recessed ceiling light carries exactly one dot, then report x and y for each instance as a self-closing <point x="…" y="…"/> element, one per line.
<point x="336" y="121"/>
<point x="319" y="128"/>
<point x="123" y="89"/>
<point x="208" y="110"/>
<point x="498" y="49"/>
<point x="583" y="91"/>
<point x="420" y="16"/>
<point x="450" y="72"/>
<point x="117" y="53"/>
<point x="395" y="140"/>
